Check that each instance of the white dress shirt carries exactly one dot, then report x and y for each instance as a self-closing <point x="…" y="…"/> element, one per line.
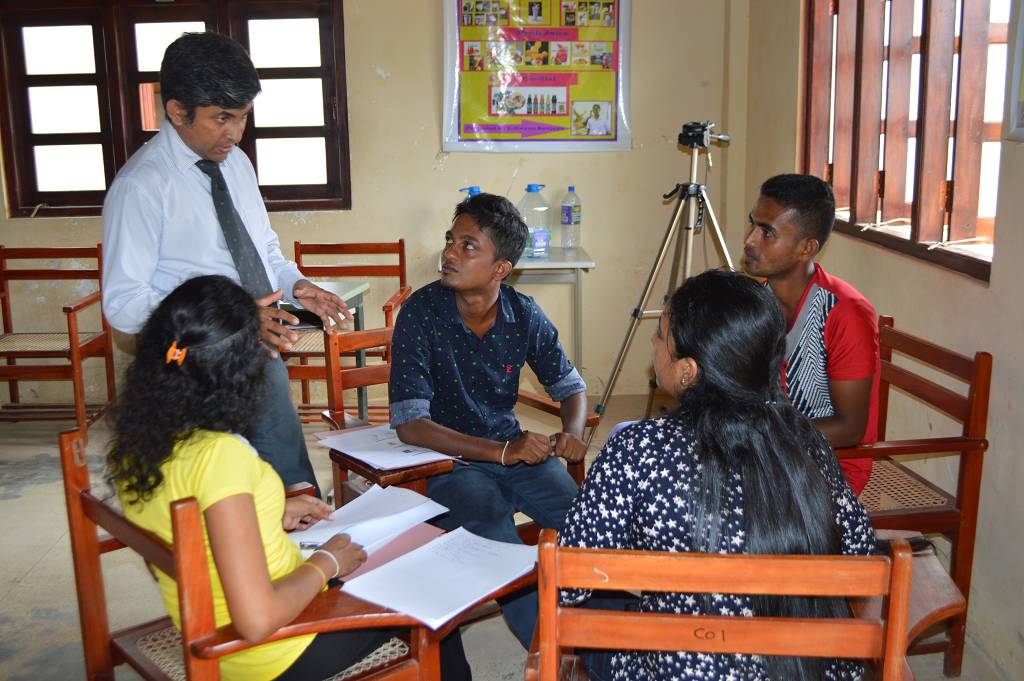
<point x="160" y="228"/>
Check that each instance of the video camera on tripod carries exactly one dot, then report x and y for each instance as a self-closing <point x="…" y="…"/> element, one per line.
<point x="697" y="134"/>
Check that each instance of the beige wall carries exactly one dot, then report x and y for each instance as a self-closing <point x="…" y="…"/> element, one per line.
<point x="947" y="308"/>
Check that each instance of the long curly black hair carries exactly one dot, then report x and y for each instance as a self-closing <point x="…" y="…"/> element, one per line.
<point x="216" y="387"/>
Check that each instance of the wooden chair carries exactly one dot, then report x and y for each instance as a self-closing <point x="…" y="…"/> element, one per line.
<point x="311" y="344"/>
<point x="159" y="651"/>
<point x="72" y="346"/>
<point x="560" y="629"/>
<point x="900" y="499"/>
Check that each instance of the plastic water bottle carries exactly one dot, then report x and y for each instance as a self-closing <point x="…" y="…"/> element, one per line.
<point x="537" y="214"/>
<point x="471" y="191"/>
<point x="572" y="210"/>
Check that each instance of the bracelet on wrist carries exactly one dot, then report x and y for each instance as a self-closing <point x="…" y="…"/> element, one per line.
<point x="503" y="449"/>
<point x="337" y="567"/>
<point x="318" y="569"/>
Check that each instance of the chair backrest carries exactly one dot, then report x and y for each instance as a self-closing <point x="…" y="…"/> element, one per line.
<point x="352" y="270"/>
<point x="339" y="378"/>
<point x="971" y="409"/>
<point x="10" y="271"/>
<point x="184" y="561"/>
<point x="837" y="576"/>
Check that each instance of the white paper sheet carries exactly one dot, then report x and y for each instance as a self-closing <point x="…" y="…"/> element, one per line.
<point x="373" y="518"/>
<point x="381" y="448"/>
<point x="463" y="568"/>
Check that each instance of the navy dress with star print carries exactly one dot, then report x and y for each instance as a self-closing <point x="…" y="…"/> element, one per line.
<point x="640" y="494"/>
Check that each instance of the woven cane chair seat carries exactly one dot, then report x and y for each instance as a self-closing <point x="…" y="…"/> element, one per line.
<point x="163" y="648"/>
<point x="893" y="488"/>
<point x="39" y="342"/>
<point x="310" y="341"/>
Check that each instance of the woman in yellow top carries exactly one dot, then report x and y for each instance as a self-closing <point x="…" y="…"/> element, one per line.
<point x="182" y="415"/>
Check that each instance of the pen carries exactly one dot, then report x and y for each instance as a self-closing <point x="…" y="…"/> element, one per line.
<point x="308" y="545"/>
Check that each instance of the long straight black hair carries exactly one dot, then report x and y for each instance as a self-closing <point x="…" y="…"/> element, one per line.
<point x="734" y="330"/>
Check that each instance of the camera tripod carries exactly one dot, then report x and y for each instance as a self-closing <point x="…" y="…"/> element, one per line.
<point x="691" y="198"/>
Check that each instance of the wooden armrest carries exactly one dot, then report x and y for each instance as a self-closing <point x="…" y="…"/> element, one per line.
<point x="549" y="406"/>
<point x="331" y="610"/>
<point x="397" y="298"/>
<point x="298" y="489"/>
<point x="93" y="297"/>
<point x="396" y="476"/>
<point x="887" y="448"/>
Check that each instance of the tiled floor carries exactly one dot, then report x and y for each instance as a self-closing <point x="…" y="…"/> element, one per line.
<point x="39" y="630"/>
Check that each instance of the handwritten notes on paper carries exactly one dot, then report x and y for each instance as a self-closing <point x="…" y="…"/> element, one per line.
<point x="380" y="447"/>
<point x="464" y="570"/>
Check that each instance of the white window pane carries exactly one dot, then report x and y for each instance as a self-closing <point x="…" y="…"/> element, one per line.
<point x="69" y="167"/>
<point x="915" y="84"/>
<point x="999" y="12"/>
<point x="151" y="40"/>
<point x="292" y="160"/>
<point x="74" y="56"/>
<point x="989" y="179"/>
<point x="911" y="164"/>
<point x="289" y="102"/>
<point x="65" y="108"/>
<point x="995" y="83"/>
<point x="284" y="42"/>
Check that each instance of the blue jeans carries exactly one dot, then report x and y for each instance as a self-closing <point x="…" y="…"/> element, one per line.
<point x="484" y="496"/>
<point x="276" y="432"/>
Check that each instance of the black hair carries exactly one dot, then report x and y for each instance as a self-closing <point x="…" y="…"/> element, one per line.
<point x="499" y="219"/>
<point x="811" y="198"/>
<point x="734" y="329"/>
<point x="207" y="69"/>
<point x="217" y="324"/>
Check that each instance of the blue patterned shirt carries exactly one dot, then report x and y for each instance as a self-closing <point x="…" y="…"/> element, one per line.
<point x="640" y="493"/>
<point x="443" y="372"/>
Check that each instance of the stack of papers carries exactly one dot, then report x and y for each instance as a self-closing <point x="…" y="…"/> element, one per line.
<point x="372" y="519"/>
<point x="380" y="447"/>
<point x="463" y="569"/>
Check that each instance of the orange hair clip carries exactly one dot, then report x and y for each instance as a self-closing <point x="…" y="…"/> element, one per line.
<point x="175" y="354"/>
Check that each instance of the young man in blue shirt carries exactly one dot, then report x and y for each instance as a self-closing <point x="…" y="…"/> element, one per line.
<point x="458" y="348"/>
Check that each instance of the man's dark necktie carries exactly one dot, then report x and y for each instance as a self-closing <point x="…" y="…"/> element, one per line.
<point x="251" y="272"/>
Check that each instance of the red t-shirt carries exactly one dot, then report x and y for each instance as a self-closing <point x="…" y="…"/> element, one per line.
<point x="833" y="337"/>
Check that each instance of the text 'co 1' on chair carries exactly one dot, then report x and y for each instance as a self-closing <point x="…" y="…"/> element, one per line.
<point x="311" y="343"/>
<point x="39" y="348"/>
<point x="898" y="498"/>
<point x="159" y="651"/>
<point x="561" y="629"/>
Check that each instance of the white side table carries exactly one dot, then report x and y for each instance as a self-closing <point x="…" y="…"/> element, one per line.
<point x="560" y="266"/>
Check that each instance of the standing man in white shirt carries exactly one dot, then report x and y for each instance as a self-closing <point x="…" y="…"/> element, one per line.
<point x="187" y="204"/>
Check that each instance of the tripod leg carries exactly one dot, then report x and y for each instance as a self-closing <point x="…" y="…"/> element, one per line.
<point x="638" y="311"/>
<point x="719" y="239"/>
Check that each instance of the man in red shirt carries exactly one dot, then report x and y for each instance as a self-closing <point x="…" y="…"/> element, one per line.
<point x="832" y="360"/>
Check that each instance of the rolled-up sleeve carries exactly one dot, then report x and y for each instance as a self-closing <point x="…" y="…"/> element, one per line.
<point x="411" y="388"/>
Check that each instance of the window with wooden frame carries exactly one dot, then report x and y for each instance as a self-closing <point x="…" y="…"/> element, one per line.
<point x="80" y="93"/>
<point x="903" y="115"/>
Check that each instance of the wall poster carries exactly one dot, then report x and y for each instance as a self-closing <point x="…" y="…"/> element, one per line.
<point x="536" y="75"/>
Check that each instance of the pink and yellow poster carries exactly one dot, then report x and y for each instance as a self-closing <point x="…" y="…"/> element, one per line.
<point x="536" y="75"/>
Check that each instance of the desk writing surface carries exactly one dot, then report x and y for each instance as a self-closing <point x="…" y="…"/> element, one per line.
<point x="558" y="259"/>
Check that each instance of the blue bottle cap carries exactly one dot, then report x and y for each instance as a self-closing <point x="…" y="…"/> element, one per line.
<point x="572" y="188"/>
<point x="534" y="187"/>
<point x="471" y="190"/>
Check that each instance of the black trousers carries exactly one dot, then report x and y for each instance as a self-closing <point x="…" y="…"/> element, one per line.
<point x="335" y="651"/>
